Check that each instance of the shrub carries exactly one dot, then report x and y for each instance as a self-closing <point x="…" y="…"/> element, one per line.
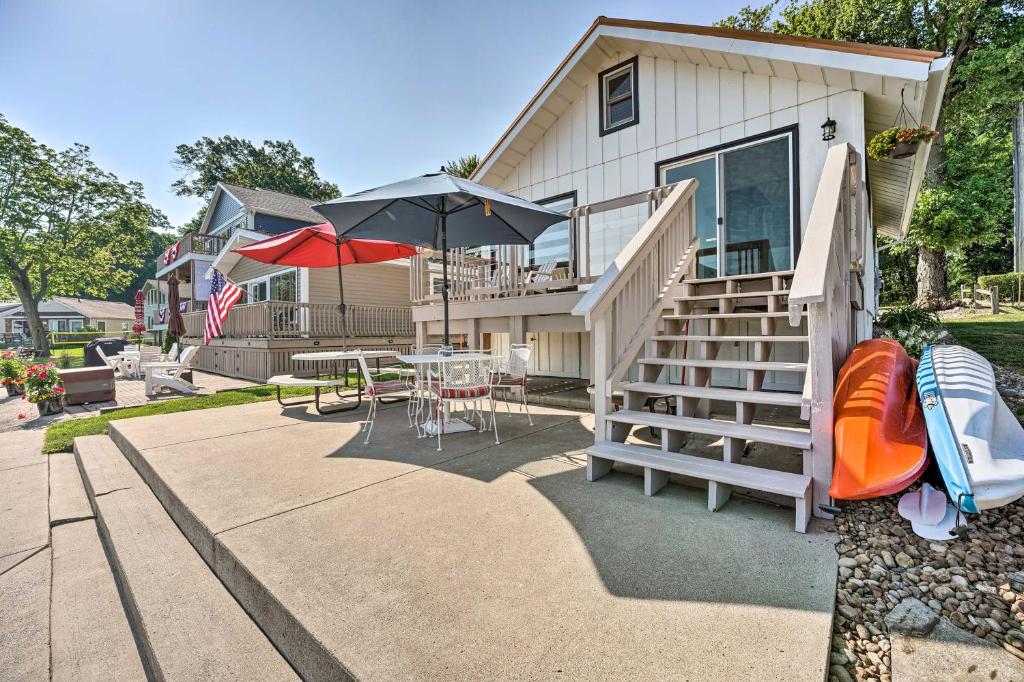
<point x="1010" y="284"/>
<point x="169" y="341"/>
<point x="907" y="316"/>
<point x="913" y="338"/>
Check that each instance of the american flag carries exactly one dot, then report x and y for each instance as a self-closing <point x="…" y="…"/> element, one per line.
<point x="223" y="295"/>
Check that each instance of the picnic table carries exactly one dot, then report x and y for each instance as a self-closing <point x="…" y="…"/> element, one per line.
<point x="333" y="378"/>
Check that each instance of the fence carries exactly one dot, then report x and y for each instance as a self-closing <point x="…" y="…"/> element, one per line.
<point x="987" y="297"/>
<point x="288" y="320"/>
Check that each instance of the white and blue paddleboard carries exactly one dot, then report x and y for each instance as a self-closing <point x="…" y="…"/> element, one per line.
<point x="978" y="443"/>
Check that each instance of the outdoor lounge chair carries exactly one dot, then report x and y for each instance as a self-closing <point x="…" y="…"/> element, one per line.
<point x="374" y="390"/>
<point x="512" y="376"/>
<point x="170" y="378"/>
<point x="172" y="353"/>
<point x="116" y="364"/>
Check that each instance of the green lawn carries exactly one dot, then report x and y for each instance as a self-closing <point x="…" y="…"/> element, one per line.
<point x="60" y="436"/>
<point x="1000" y="338"/>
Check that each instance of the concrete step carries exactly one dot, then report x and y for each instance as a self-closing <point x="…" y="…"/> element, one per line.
<point x="766" y="366"/>
<point x="90" y="635"/>
<point x="658" y="465"/>
<point x="188" y="624"/>
<point x="729" y="339"/>
<point x="736" y="395"/>
<point x="791" y="438"/>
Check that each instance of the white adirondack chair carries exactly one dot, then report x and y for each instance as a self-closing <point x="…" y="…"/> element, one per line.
<point x="116" y="364"/>
<point x="170" y="377"/>
<point x="172" y="353"/>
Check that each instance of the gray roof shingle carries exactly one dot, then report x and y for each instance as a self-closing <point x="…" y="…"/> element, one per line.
<point x="276" y="203"/>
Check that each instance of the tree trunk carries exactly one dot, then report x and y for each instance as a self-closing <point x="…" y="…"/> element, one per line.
<point x="23" y="287"/>
<point x="931" y="278"/>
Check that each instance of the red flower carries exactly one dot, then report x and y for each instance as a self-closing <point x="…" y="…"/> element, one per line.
<point x="21" y="415"/>
<point x="58" y="390"/>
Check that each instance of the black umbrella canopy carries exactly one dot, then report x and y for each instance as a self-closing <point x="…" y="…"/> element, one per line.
<point x="409" y="212"/>
<point x="441" y="211"/>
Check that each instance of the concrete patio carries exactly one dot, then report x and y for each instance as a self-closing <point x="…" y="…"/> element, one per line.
<point x="395" y="561"/>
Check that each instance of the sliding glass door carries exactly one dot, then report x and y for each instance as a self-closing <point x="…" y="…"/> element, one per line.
<point x="745" y="220"/>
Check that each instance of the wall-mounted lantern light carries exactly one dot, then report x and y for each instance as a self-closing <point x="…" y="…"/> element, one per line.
<point x="828" y="130"/>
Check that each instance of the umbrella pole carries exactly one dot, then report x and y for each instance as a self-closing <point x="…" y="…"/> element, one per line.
<point x="444" y="268"/>
<point x="341" y="297"/>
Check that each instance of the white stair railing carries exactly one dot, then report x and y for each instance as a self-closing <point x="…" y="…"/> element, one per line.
<point x="623" y="307"/>
<point x="833" y="243"/>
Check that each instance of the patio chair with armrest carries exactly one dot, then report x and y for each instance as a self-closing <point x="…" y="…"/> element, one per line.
<point x="116" y="364"/>
<point x="172" y="353"/>
<point x="374" y="390"/>
<point x="462" y="381"/>
<point x="512" y="376"/>
<point x="170" y="377"/>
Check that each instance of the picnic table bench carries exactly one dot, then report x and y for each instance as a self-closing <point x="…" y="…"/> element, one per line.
<point x="317" y="384"/>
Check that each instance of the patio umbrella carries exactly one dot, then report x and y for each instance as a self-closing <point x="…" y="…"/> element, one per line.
<point x="175" y="323"/>
<point x="139" y="327"/>
<point x="440" y="211"/>
<point x="318" y="246"/>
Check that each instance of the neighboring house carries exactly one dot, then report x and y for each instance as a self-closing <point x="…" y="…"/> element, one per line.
<point x="285" y="309"/>
<point x="67" y="314"/>
<point x="747" y="290"/>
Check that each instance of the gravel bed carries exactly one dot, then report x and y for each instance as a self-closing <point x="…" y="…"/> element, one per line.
<point x="976" y="581"/>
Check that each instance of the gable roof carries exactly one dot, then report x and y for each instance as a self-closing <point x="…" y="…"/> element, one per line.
<point x="266" y="201"/>
<point x="98" y="309"/>
<point x="881" y="72"/>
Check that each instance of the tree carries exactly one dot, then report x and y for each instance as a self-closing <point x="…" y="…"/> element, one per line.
<point x="463" y="166"/>
<point x="275" y="165"/>
<point x="965" y="195"/>
<point x="66" y="226"/>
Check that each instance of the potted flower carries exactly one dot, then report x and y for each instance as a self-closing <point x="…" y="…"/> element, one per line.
<point x="898" y="142"/>
<point x="11" y="373"/>
<point x="43" y="388"/>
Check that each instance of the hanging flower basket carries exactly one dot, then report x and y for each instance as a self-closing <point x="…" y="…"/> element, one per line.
<point x="899" y="143"/>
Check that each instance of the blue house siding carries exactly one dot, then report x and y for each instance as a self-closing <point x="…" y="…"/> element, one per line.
<point x="274" y="225"/>
<point x="226" y="208"/>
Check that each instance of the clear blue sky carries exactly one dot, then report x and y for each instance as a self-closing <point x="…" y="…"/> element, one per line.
<point x="375" y="91"/>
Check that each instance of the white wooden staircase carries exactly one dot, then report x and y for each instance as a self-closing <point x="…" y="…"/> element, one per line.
<point x="730" y="355"/>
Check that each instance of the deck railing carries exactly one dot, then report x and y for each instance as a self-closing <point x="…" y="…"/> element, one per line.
<point x="623" y="307"/>
<point x="824" y="282"/>
<point x="201" y="244"/>
<point x="493" y="272"/>
<point x="287" y="320"/>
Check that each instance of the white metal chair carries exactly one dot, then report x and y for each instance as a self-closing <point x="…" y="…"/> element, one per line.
<point x="170" y="378"/>
<point x="512" y="376"/>
<point x="462" y="381"/>
<point x="375" y="389"/>
<point x="116" y="364"/>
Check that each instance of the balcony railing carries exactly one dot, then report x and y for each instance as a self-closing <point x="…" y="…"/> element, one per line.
<point x="200" y="244"/>
<point x="500" y="271"/>
<point x="286" y="320"/>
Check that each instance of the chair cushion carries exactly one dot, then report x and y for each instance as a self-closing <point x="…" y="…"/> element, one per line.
<point x="384" y="387"/>
<point x="507" y="380"/>
<point x="452" y="393"/>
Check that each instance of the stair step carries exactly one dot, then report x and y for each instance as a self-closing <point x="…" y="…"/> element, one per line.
<point x="729" y="339"/>
<point x="740" y="278"/>
<point x="737" y="395"/>
<point x="768" y="366"/>
<point x="742" y="475"/>
<point x="737" y="295"/>
<point x="790" y="438"/>
<point x="751" y="315"/>
<point x="191" y="626"/>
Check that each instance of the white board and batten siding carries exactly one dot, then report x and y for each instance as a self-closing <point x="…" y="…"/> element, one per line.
<point x="683" y="108"/>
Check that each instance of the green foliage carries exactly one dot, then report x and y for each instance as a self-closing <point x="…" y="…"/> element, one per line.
<point x="66" y="226"/>
<point x="896" y="265"/>
<point x="907" y="316"/>
<point x="882" y="144"/>
<point x="1010" y="284"/>
<point x="463" y="166"/>
<point x="11" y="369"/>
<point x="914" y="338"/>
<point x="275" y="165"/>
<point x="42" y="382"/>
<point x="169" y="340"/>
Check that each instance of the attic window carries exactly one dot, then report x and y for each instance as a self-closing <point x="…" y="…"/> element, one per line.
<point x="618" y="97"/>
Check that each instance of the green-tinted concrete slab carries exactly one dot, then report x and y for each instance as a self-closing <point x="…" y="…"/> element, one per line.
<point x="89" y="633"/>
<point x="25" y="620"/>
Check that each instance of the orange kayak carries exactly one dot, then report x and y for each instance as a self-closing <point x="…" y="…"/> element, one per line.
<point x="881" y="442"/>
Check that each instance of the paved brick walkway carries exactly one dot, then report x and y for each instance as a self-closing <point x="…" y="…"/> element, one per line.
<point x="129" y="392"/>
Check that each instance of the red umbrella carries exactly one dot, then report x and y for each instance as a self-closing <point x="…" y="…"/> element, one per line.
<point x="318" y="246"/>
<point x="140" y="299"/>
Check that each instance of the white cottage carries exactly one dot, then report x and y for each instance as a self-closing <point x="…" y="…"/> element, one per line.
<point x="722" y="217"/>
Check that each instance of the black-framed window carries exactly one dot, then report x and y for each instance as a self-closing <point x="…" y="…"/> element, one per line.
<point x="617" y="89"/>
